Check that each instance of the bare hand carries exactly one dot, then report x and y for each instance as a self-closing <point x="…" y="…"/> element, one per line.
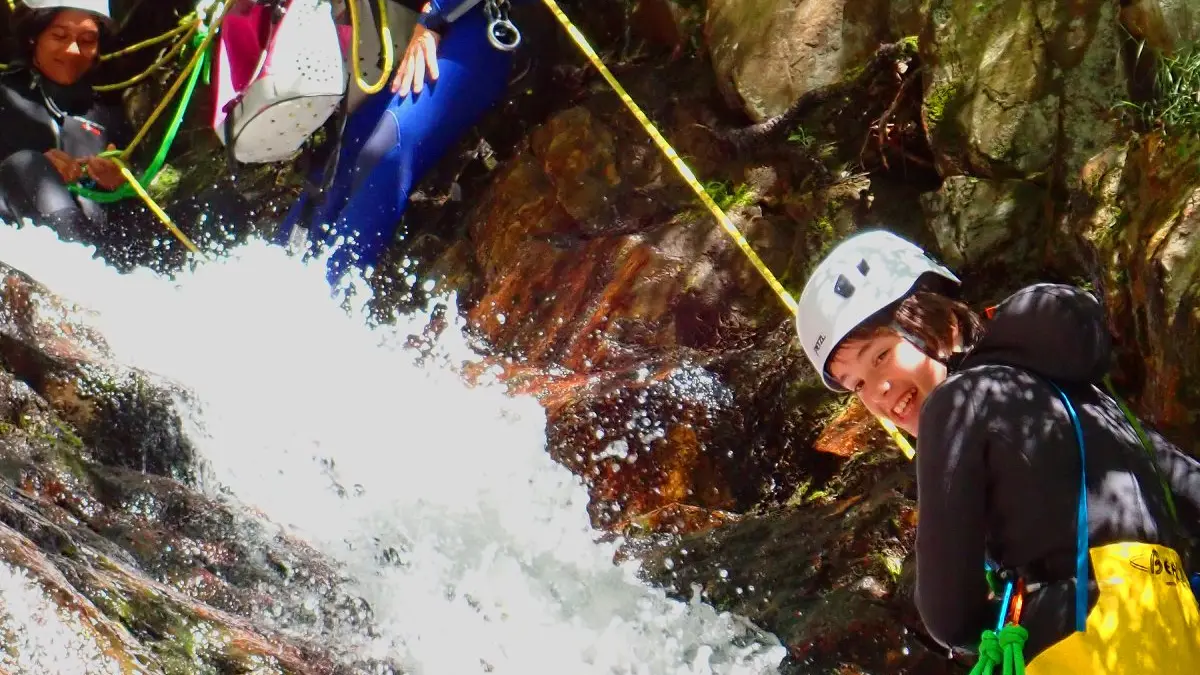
<point x="67" y="166"/>
<point x="105" y="172"/>
<point x="419" y="57"/>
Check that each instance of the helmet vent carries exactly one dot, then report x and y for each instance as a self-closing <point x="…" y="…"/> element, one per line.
<point x="843" y="287"/>
<point x="863" y="267"/>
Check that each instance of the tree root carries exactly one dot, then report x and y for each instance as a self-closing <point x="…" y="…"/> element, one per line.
<point x="880" y="127"/>
<point x="759" y="135"/>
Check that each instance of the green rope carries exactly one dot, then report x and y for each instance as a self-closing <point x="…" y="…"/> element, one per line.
<point x="1005" y="649"/>
<point x="160" y="158"/>
<point x="1145" y="441"/>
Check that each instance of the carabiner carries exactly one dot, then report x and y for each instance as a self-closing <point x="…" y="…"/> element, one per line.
<point x="503" y="35"/>
<point x="501" y="32"/>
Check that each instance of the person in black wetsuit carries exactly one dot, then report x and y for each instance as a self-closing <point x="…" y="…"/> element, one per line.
<point x="999" y="462"/>
<point x="53" y="124"/>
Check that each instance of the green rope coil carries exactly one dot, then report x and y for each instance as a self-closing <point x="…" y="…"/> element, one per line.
<point x="1006" y="649"/>
<point x="164" y="148"/>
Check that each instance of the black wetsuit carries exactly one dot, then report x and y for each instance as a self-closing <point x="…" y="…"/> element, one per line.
<point x="998" y="470"/>
<point x="37" y="115"/>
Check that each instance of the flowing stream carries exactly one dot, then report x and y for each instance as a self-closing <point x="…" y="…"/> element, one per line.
<point x="471" y="546"/>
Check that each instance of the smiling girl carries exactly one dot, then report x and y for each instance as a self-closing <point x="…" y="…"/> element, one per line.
<point x="54" y="125"/>
<point x="1000" y="411"/>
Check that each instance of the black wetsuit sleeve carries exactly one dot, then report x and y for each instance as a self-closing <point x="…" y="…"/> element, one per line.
<point x="1182" y="475"/>
<point x="6" y="147"/>
<point x="952" y="591"/>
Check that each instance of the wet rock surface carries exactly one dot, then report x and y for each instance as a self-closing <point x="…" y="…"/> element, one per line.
<point x="991" y="133"/>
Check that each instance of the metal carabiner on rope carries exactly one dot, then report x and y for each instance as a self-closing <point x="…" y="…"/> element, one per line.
<point x="501" y="31"/>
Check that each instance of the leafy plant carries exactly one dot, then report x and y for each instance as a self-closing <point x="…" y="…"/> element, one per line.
<point x="1175" y="105"/>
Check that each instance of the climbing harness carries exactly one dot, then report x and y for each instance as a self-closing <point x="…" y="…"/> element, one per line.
<point x="690" y="178"/>
<point x="501" y="31"/>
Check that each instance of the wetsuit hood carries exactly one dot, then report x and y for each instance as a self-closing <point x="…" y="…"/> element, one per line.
<point x="1056" y="331"/>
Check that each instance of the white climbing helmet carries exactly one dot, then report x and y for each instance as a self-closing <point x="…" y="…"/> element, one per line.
<point x="859" y="277"/>
<point x="98" y="7"/>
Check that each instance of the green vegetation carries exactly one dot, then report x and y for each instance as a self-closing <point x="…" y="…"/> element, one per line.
<point x="1175" y="106"/>
<point x="728" y="197"/>
<point x="938" y="100"/>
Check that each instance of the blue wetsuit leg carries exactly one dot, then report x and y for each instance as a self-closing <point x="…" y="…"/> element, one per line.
<point x="412" y="136"/>
<point x="359" y="128"/>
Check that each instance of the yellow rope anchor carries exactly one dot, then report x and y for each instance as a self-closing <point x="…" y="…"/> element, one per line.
<point x="690" y="178"/>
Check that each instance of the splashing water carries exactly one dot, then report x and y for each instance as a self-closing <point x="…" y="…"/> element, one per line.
<point x="494" y="566"/>
<point x="37" y="636"/>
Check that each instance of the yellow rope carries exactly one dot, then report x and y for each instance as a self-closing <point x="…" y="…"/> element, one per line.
<point x="183" y="75"/>
<point x="184" y="24"/>
<point x="690" y="178"/>
<point x="167" y="57"/>
<point x="154" y="207"/>
<point x="385" y="43"/>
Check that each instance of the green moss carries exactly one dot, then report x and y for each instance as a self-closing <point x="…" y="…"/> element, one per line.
<point x="893" y="564"/>
<point x="164" y="184"/>
<point x="940" y="101"/>
<point x="729" y="198"/>
<point x="67" y="435"/>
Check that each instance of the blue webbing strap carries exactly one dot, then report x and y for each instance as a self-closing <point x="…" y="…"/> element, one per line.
<point x="1081" y="555"/>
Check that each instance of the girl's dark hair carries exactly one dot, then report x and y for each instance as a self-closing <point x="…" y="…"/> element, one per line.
<point x="28" y="24"/>
<point x="927" y="316"/>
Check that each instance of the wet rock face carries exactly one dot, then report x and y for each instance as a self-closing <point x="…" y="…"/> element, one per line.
<point x="974" y="218"/>
<point x="593" y="253"/>
<point x="828" y="576"/>
<point x="132" y="568"/>
<point x="1165" y="25"/>
<point x="767" y="53"/>
<point x="1032" y="99"/>
<point x="1143" y="210"/>
<point x="126" y="418"/>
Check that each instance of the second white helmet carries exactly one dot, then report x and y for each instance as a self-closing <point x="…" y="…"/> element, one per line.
<point x="98" y="7"/>
<point x="859" y="277"/>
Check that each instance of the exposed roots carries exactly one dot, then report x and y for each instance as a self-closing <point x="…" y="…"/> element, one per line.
<point x="759" y="135"/>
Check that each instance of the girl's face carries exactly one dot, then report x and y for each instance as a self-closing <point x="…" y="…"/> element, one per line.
<point x="889" y="374"/>
<point x="69" y="46"/>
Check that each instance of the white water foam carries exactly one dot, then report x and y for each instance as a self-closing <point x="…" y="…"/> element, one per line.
<point x="39" y="636"/>
<point x="500" y="568"/>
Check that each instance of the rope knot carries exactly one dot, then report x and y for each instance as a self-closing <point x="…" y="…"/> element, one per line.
<point x="1013" y="636"/>
<point x="990" y="652"/>
<point x="1004" y="649"/>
